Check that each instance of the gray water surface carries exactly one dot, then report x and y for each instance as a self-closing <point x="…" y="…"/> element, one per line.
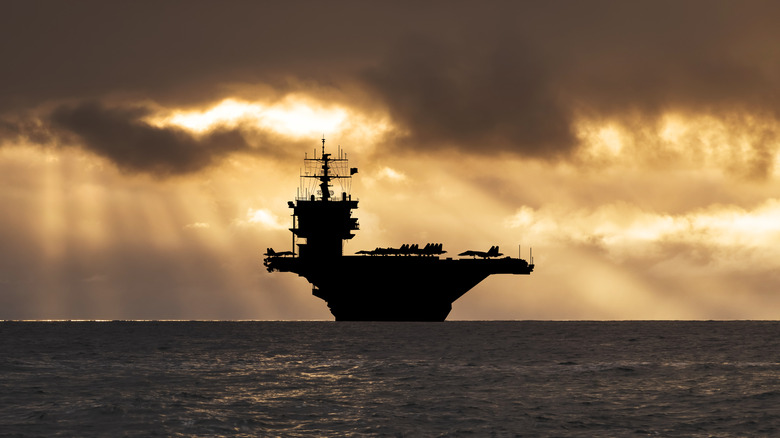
<point x="389" y="379"/>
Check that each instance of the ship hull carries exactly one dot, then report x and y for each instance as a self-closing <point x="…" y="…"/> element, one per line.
<point x="395" y="288"/>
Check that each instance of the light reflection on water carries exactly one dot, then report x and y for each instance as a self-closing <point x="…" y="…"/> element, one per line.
<point x="410" y="379"/>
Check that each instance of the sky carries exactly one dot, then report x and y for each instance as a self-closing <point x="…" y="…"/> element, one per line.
<point x="148" y="151"/>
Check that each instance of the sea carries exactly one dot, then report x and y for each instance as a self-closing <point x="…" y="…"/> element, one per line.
<point x="365" y="379"/>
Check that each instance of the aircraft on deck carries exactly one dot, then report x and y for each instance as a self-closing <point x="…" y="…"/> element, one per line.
<point x="432" y="249"/>
<point x="492" y="252"/>
<point x="271" y="253"/>
<point x="406" y="249"/>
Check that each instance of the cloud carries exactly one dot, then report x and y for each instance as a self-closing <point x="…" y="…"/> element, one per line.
<point x="262" y="217"/>
<point x="523" y="85"/>
<point x="121" y="135"/>
<point x="500" y="76"/>
<point x="445" y="95"/>
<point x="720" y="237"/>
<point x="149" y="138"/>
<point x="179" y="53"/>
<point x="26" y="129"/>
<point x="197" y="225"/>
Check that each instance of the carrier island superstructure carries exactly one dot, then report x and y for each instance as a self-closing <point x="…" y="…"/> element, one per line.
<point x="409" y="283"/>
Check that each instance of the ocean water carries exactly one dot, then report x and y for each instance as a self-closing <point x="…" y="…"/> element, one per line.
<point x="389" y="379"/>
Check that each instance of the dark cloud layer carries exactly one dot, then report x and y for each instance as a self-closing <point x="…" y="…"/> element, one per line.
<point x="499" y="99"/>
<point x="121" y="135"/>
<point x="520" y="83"/>
<point x="480" y="76"/>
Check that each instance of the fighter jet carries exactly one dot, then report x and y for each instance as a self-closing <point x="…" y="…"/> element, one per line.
<point x="271" y="253"/>
<point x="379" y="251"/>
<point x="492" y="252"/>
<point x="406" y="249"/>
<point x="433" y="249"/>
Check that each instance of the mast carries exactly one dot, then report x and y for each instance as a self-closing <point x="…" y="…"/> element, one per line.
<point x="325" y="169"/>
<point x="325" y="177"/>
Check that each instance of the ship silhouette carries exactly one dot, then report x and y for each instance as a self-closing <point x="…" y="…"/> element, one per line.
<point x="408" y="283"/>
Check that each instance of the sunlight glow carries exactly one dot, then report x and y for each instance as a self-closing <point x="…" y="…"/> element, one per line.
<point x="392" y="174"/>
<point x="294" y="116"/>
<point x="736" y="143"/>
<point x="197" y="225"/>
<point x="265" y="218"/>
<point x="623" y="228"/>
<point x="600" y="141"/>
<point x="673" y="128"/>
<point x="610" y="140"/>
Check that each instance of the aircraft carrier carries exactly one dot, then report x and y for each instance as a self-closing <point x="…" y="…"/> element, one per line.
<point x="408" y="283"/>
